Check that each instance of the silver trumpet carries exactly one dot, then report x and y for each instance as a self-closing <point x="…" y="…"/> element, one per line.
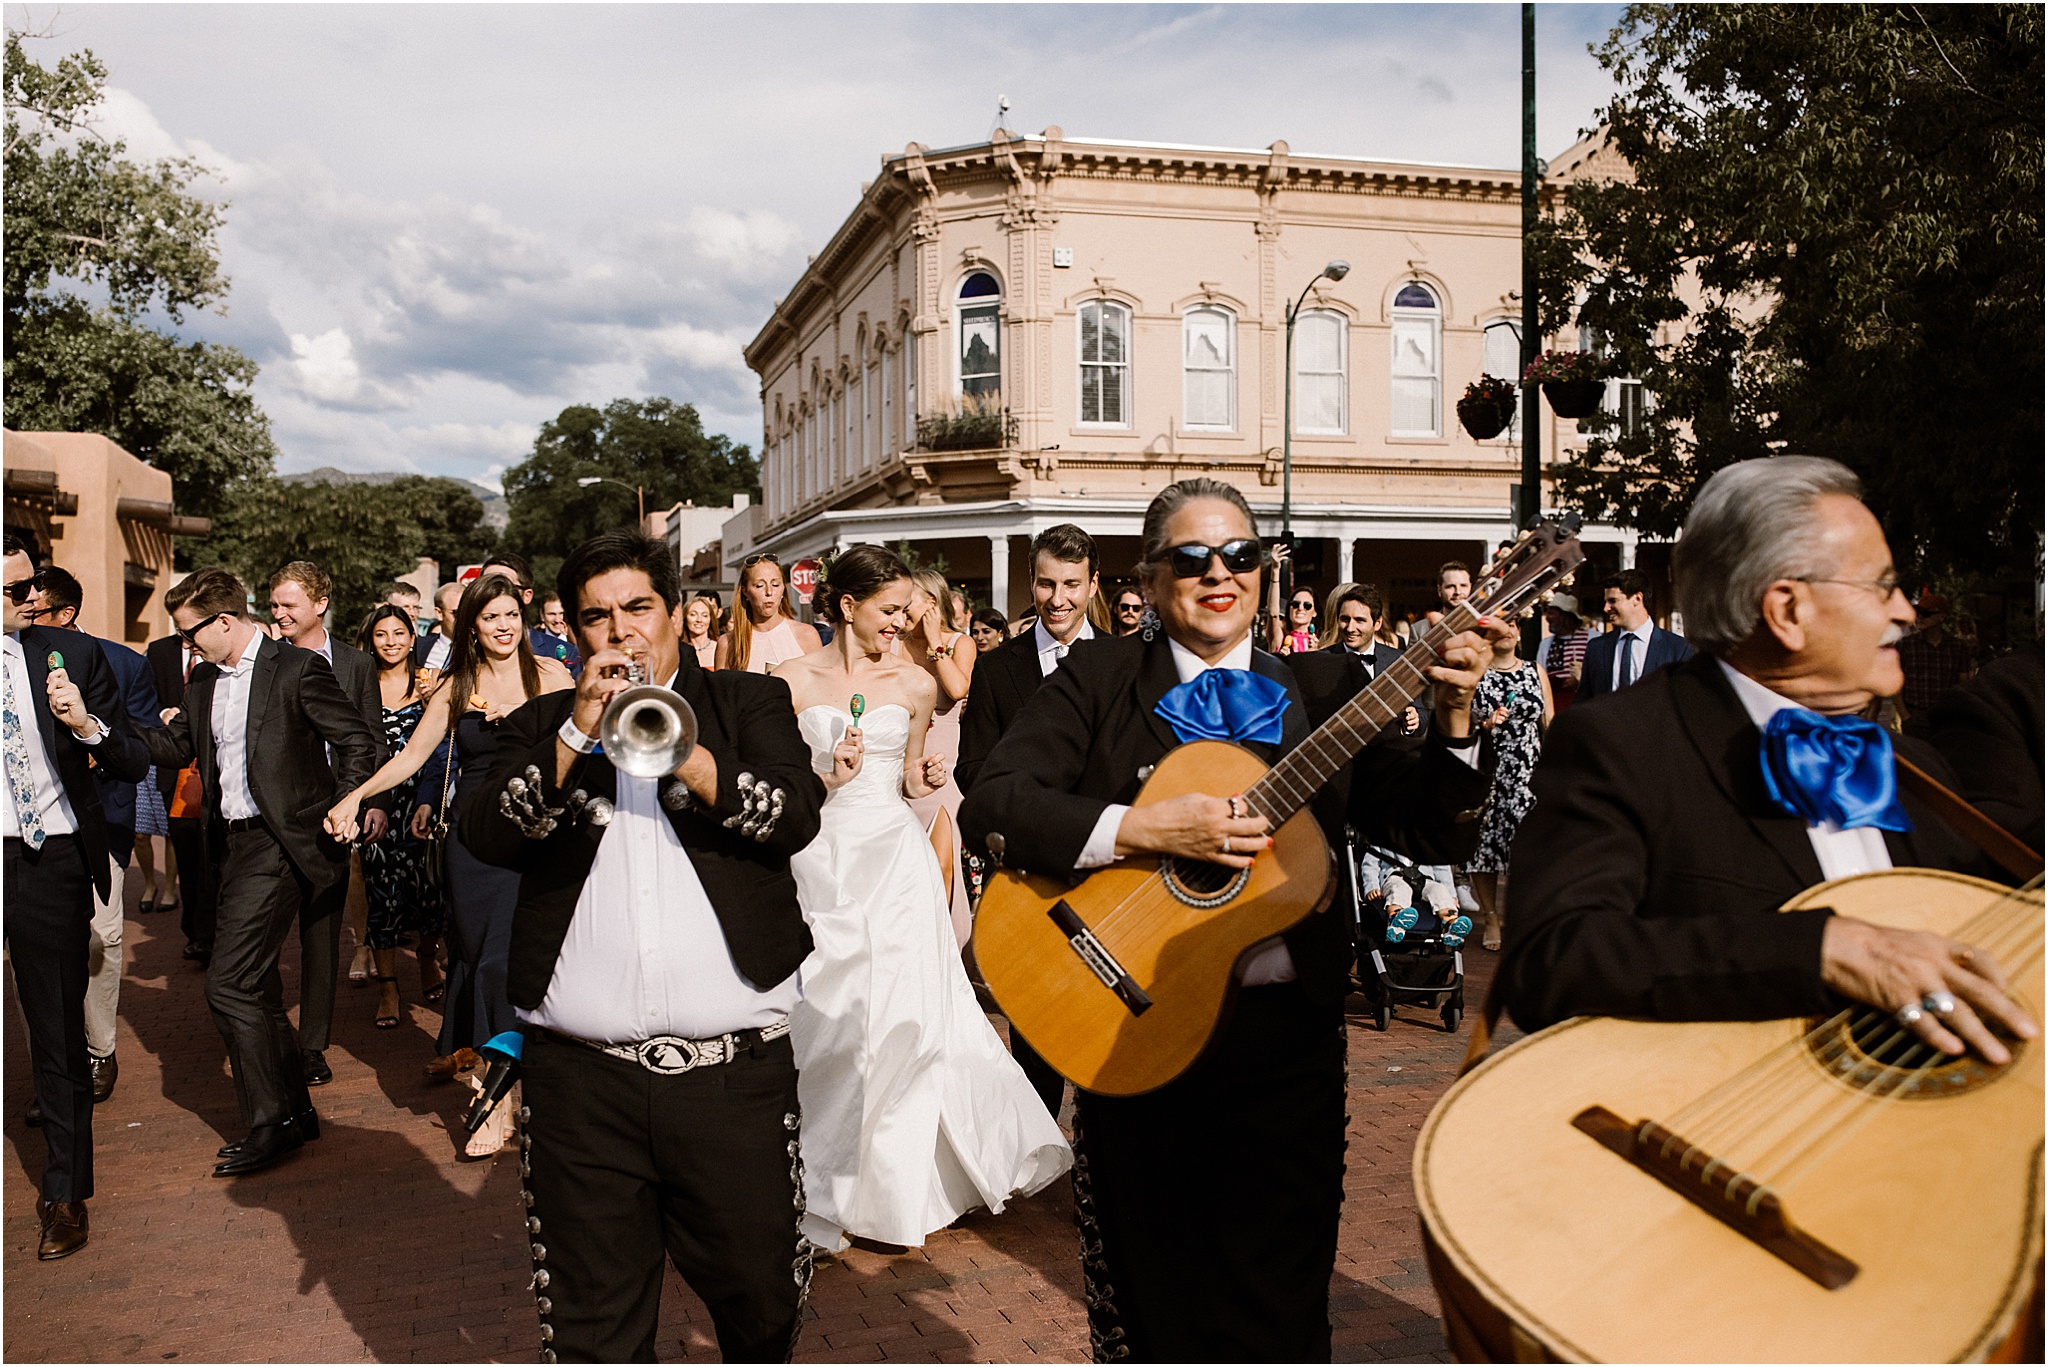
<point x="647" y="730"/>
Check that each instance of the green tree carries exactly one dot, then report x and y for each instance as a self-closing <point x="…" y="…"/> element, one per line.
<point x="657" y="444"/>
<point x="1830" y="244"/>
<point x="98" y="246"/>
<point x="450" y="517"/>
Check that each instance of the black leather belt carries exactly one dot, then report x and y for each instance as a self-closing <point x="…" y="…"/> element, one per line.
<point x="247" y="823"/>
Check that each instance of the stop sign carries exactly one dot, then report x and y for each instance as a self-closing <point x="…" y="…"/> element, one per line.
<point x="803" y="577"/>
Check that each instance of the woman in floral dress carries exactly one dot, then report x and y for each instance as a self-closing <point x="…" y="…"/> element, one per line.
<point x="404" y="902"/>
<point x="1512" y="702"/>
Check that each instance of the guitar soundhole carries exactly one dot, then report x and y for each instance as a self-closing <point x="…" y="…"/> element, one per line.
<point x="1871" y="1053"/>
<point x="1199" y="883"/>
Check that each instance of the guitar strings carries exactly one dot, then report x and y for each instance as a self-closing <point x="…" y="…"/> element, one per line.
<point x="1757" y="1089"/>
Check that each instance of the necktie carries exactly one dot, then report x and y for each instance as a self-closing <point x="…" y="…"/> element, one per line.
<point x="1835" y="769"/>
<point x="1628" y="660"/>
<point x="19" y="780"/>
<point x="1226" y="704"/>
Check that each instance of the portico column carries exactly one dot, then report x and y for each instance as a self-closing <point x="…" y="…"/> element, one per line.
<point x="1347" y="547"/>
<point x="1628" y="549"/>
<point x="999" y="574"/>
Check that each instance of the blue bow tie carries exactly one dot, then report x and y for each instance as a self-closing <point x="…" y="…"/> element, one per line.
<point x="1835" y="769"/>
<point x="1226" y="704"/>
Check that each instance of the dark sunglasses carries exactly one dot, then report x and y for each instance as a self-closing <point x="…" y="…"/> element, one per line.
<point x="20" y="589"/>
<point x="1130" y="607"/>
<point x="760" y="558"/>
<point x="1239" y="557"/>
<point x="1308" y="603"/>
<point x="186" y="634"/>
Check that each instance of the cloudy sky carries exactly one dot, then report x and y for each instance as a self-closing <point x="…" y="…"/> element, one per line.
<point x="449" y="222"/>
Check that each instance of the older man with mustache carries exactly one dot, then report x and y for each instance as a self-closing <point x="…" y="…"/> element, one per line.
<point x="1672" y="820"/>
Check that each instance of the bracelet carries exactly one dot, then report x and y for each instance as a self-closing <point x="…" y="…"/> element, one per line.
<point x="937" y="653"/>
<point x="572" y="736"/>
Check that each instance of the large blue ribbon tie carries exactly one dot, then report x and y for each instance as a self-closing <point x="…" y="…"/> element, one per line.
<point x="1835" y="769"/>
<point x="1226" y="704"/>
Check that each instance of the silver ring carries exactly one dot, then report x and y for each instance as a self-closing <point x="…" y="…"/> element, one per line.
<point x="1941" y="1004"/>
<point x="1226" y="845"/>
<point x="1909" y="1015"/>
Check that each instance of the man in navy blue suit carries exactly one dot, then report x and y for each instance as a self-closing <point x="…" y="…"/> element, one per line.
<point x="1635" y="645"/>
<point x="56" y="602"/>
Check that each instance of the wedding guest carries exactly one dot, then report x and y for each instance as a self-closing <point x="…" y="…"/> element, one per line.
<point x="989" y="630"/>
<point x="1513" y="704"/>
<point x="1634" y="647"/>
<point x="765" y="631"/>
<point x="404" y="897"/>
<point x="1301" y="624"/>
<point x="700" y="629"/>
<point x="1130" y="611"/>
<point x="492" y="673"/>
<point x="939" y="644"/>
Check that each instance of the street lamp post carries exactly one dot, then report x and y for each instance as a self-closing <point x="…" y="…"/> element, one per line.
<point x="639" y="491"/>
<point x="1336" y="270"/>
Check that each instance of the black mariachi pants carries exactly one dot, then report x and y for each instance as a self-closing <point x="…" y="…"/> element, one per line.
<point x="48" y="920"/>
<point x="622" y="1165"/>
<point x="1208" y="1208"/>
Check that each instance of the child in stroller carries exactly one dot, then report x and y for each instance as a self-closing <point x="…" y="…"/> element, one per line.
<point x="1408" y="934"/>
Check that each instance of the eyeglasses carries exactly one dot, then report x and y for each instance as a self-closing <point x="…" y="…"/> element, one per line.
<point x="1239" y="557"/>
<point x="186" y="634"/>
<point x="1884" y="588"/>
<point x="20" y="589"/>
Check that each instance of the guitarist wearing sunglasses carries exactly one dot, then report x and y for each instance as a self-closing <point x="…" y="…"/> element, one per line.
<point x="1240" y="1159"/>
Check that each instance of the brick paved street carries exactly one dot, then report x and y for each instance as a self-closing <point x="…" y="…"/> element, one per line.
<point x="376" y="1244"/>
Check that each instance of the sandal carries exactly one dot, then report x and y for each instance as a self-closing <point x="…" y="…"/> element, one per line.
<point x="388" y="1021"/>
<point x="434" y="991"/>
<point x="1489" y="937"/>
<point x="359" y="968"/>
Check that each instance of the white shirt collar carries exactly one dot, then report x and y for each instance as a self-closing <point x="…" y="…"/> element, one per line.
<point x="1188" y="664"/>
<point x="1760" y="702"/>
<point x="1642" y="633"/>
<point x="247" y="661"/>
<point x="1045" y="640"/>
<point x="13" y="646"/>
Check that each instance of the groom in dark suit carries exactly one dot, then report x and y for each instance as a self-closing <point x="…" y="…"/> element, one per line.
<point x="1064" y="575"/>
<point x="63" y="715"/>
<point x="261" y="717"/>
<point x="653" y="964"/>
<point x="1210" y="1206"/>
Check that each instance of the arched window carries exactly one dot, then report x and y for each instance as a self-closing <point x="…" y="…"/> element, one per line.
<point x="981" y="337"/>
<point x="1320" y="389"/>
<point x="888" y="403"/>
<point x="909" y="389"/>
<point x="1105" y="363"/>
<point x="1208" y="338"/>
<point x="1416" y="409"/>
<point x="1504" y="361"/>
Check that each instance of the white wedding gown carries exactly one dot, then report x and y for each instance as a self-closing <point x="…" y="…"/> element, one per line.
<point x="913" y="1112"/>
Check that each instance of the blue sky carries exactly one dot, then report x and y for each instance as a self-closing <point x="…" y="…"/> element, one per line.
<point x="447" y="223"/>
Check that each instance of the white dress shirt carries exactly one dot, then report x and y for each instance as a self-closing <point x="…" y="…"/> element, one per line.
<point x="52" y="804"/>
<point x="1841" y="853"/>
<point x="645" y="954"/>
<point x="231" y="693"/>
<point x="1051" y="650"/>
<point x="1636" y="653"/>
<point x="438" y="653"/>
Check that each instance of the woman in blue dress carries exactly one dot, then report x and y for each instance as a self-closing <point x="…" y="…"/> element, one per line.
<point x="492" y="672"/>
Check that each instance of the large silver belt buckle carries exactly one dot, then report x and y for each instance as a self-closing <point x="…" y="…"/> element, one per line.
<point x="674" y="1054"/>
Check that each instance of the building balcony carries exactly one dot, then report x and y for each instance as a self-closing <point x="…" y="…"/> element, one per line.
<point x="969" y="431"/>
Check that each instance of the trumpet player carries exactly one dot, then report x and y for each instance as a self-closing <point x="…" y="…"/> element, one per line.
<point x="653" y="966"/>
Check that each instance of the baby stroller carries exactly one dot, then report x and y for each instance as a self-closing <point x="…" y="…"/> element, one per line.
<point x="1406" y="950"/>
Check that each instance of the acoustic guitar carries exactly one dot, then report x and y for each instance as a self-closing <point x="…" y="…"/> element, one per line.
<point x="1121" y="981"/>
<point x="1778" y="1191"/>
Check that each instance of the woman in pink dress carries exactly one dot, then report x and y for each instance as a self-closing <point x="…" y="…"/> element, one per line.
<point x="765" y="631"/>
<point x="940" y="645"/>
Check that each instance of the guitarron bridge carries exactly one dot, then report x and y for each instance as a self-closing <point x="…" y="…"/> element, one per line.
<point x="1734" y="1198"/>
<point x="1100" y="961"/>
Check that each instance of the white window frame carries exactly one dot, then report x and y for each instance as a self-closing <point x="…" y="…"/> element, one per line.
<point x="1228" y="369"/>
<point x="992" y="304"/>
<point x="1106" y="308"/>
<point x="1343" y="374"/>
<point x="1407" y="316"/>
<point x="910" y="414"/>
<point x="1512" y="433"/>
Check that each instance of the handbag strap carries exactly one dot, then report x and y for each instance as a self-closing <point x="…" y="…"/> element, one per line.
<point x="447" y="770"/>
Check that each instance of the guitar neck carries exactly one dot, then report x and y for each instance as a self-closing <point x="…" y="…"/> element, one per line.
<point x="1301" y="773"/>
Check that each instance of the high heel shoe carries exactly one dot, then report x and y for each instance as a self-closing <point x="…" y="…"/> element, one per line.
<point x="388" y="1020"/>
<point x="360" y="968"/>
<point x="1489" y="934"/>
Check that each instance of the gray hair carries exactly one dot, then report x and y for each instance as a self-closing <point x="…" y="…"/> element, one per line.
<point x="1172" y="499"/>
<point x="1751" y="525"/>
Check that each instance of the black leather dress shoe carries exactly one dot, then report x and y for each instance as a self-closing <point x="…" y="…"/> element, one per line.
<point x="265" y="1145"/>
<point x="306" y="1122"/>
<point x="34" y="1118"/>
<point x="104" y="1071"/>
<point x="198" y="953"/>
<point x="318" y="1074"/>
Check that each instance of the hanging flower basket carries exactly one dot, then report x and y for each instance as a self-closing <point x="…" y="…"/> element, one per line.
<point x="1483" y="419"/>
<point x="1487" y="408"/>
<point x="1574" y="398"/>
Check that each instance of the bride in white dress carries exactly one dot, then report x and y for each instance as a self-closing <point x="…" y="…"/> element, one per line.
<point x="913" y="1112"/>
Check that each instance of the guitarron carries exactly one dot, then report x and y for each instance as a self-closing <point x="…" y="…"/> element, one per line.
<point x="1120" y="982"/>
<point x="1776" y="1191"/>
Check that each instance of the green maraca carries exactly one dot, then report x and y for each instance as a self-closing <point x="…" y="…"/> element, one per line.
<point x="859" y="706"/>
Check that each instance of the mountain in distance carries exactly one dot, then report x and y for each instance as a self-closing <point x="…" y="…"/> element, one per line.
<point x="496" y="514"/>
